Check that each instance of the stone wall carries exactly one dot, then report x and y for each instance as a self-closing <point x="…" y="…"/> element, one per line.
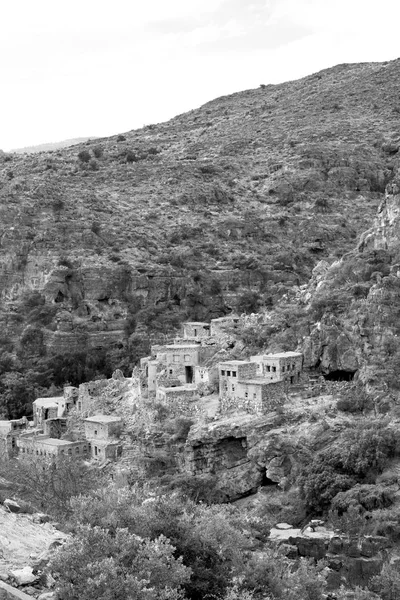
<point x="180" y="402"/>
<point x="196" y="330"/>
<point x="259" y="399"/>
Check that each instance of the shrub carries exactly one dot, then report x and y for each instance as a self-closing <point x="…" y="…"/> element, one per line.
<point x="98" y="151"/>
<point x="93" y="164"/>
<point x="121" y="138"/>
<point x="84" y="156"/>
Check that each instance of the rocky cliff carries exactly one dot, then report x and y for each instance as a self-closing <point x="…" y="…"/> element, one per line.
<point x="243" y="195"/>
<point x="355" y="303"/>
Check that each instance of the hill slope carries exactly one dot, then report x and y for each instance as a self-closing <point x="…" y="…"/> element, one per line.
<point x="224" y="208"/>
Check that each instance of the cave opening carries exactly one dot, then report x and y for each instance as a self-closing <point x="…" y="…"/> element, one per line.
<point x="60" y="297"/>
<point x="266" y="481"/>
<point x="340" y="375"/>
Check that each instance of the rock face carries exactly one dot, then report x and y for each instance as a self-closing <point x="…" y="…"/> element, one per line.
<point x="246" y="452"/>
<point x="359" y="298"/>
<point x="21" y="539"/>
<point x="352" y="561"/>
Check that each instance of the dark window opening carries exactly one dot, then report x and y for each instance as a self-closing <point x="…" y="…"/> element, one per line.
<point x="233" y="373"/>
<point x="228" y="373"/>
<point x="222" y="372"/>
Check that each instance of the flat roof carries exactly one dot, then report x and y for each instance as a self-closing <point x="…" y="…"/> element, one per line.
<point x="103" y="419"/>
<point x="178" y="346"/>
<point x="50" y="441"/>
<point x="282" y="355"/>
<point x="260" y="381"/>
<point x="197" y="323"/>
<point x="236" y="362"/>
<point x="48" y="401"/>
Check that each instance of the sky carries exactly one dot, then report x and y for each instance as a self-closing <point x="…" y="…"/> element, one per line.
<point x="74" y="68"/>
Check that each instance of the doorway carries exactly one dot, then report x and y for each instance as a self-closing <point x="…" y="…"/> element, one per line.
<point x="189" y="374"/>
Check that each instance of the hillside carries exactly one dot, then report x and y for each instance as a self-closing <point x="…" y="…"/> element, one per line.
<point x="227" y="207"/>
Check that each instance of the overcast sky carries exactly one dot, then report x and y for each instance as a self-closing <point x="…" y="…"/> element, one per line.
<point x="72" y="68"/>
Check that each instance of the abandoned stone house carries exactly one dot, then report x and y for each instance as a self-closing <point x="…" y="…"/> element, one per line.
<point x="102" y="432"/>
<point x="42" y="445"/>
<point x="9" y="433"/>
<point x="243" y="385"/>
<point x="286" y="366"/>
<point x="196" y="330"/>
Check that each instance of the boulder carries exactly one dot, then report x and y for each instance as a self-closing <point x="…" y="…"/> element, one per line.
<point x="24" y="576"/>
<point x="12" y="505"/>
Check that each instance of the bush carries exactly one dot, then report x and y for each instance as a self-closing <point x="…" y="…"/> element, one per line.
<point x="84" y="156"/>
<point x="98" y="151"/>
<point x="357" y="456"/>
<point x="93" y="164"/>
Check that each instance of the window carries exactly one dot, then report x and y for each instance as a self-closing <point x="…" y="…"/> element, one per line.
<point x="228" y="373"/>
<point x="283" y="368"/>
<point x="233" y="373"/>
<point x="77" y="450"/>
<point x="69" y="451"/>
<point x="274" y="369"/>
<point x="233" y="388"/>
<point x="175" y="358"/>
<point x="254" y="396"/>
<point x="222" y="372"/>
<point x="170" y="371"/>
<point x="187" y="357"/>
<point x="268" y="368"/>
<point x="246" y="395"/>
<point x="95" y="432"/>
<point x="195" y="332"/>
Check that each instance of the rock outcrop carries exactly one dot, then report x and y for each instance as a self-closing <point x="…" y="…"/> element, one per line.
<point x="351" y="560"/>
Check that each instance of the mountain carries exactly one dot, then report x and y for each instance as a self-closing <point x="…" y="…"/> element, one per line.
<point x="111" y="243"/>
<point x="51" y="146"/>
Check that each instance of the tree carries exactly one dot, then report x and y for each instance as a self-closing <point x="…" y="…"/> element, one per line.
<point x="118" y="566"/>
<point x="49" y="483"/>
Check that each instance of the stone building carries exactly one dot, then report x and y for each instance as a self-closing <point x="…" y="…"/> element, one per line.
<point x="241" y="388"/>
<point x="102" y="432"/>
<point x="42" y="445"/>
<point x="233" y="371"/>
<point x="102" y="427"/>
<point x="9" y="432"/>
<point x="286" y="366"/>
<point x="46" y="408"/>
<point x="194" y="330"/>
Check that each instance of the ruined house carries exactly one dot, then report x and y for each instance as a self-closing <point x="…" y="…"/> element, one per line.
<point x="243" y="389"/>
<point x="193" y="330"/>
<point x="282" y="366"/>
<point x="42" y="445"/>
<point x="102" y="433"/>
<point x="9" y="432"/>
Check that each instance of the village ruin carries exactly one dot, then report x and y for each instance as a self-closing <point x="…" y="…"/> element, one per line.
<point x="180" y="375"/>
